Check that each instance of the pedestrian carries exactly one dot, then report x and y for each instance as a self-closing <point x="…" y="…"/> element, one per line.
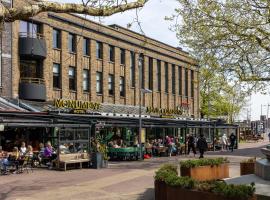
<point x="169" y="145"/>
<point x="191" y="144"/>
<point x="269" y="136"/>
<point x="202" y="145"/>
<point x="224" y="142"/>
<point x="232" y="141"/>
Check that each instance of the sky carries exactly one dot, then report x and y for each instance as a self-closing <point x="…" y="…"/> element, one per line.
<point x="155" y="26"/>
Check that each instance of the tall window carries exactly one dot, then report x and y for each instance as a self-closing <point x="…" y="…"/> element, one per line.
<point x="72" y="78"/>
<point x="99" y="82"/>
<point x="150" y="74"/>
<point x="122" y="56"/>
<point x="192" y="82"/>
<point x="86" y="80"/>
<point x="186" y="82"/>
<point x="111" y="53"/>
<point x="29" y="29"/>
<point x="56" y="75"/>
<point x="99" y="50"/>
<point x="180" y="80"/>
<point x="71" y="43"/>
<point x="86" y="48"/>
<point x="122" y="86"/>
<point x="111" y="84"/>
<point x="141" y="67"/>
<point x="56" y="39"/>
<point x="158" y="75"/>
<point x="173" y="79"/>
<point x="132" y="68"/>
<point x="166" y="78"/>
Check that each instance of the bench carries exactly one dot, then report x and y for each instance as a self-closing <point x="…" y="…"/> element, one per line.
<point x="73" y="158"/>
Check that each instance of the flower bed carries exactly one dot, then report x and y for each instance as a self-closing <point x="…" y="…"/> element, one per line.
<point x="175" y="187"/>
<point x="205" y="169"/>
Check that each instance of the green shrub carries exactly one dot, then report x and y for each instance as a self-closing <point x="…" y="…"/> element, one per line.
<point x="169" y="167"/>
<point x="165" y="171"/>
<point x="203" y="162"/>
<point x="250" y="160"/>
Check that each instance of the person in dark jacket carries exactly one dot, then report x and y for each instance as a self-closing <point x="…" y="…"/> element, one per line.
<point x="232" y="141"/>
<point x="191" y="144"/>
<point x="202" y="145"/>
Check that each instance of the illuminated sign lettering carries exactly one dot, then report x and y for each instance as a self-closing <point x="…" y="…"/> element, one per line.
<point x="76" y="104"/>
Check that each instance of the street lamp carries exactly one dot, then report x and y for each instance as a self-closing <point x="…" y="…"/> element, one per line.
<point x="142" y="91"/>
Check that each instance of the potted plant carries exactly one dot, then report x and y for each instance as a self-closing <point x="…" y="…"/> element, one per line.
<point x="178" y="188"/>
<point x="103" y="149"/>
<point x="247" y="166"/>
<point x="97" y="157"/>
<point x="205" y="169"/>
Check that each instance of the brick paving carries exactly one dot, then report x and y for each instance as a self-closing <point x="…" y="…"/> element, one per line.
<point x="122" y="180"/>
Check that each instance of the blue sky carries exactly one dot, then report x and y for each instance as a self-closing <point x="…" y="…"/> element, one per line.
<point x="154" y="26"/>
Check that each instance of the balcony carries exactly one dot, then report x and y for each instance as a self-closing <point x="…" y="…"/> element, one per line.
<point x="33" y="89"/>
<point x="32" y="46"/>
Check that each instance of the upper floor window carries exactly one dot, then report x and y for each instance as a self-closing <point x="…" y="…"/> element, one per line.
<point x="71" y="43"/>
<point x="111" y="53"/>
<point x="180" y="80"/>
<point x="29" y="29"/>
<point x="99" y="82"/>
<point x="122" y="56"/>
<point x="111" y="84"/>
<point x="99" y="50"/>
<point x="186" y="82"/>
<point x="141" y="68"/>
<point x="132" y="68"/>
<point x="192" y="82"/>
<point x="158" y="75"/>
<point x="72" y="78"/>
<point x="122" y="86"/>
<point x="166" y="78"/>
<point x="150" y="74"/>
<point x="86" y="47"/>
<point x="86" y="80"/>
<point x="56" y="75"/>
<point x="56" y="39"/>
<point x="173" y="79"/>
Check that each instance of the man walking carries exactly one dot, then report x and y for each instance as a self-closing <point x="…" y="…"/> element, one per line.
<point x="202" y="145"/>
<point x="224" y="142"/>
<point x="191" y="144"/>
<point x="232" y="141"/>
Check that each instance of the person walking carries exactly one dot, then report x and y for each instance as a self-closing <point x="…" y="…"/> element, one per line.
<point x="202" y="145"/>
<point x="224" y="142"/>
<point x="191" y="144"/>
<point x="232" y="141"/>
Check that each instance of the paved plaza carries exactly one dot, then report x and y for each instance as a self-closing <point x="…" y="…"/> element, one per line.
<point x="122" y="180"/>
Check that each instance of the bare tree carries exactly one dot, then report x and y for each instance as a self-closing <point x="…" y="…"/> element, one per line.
<point x="31" y="8"/>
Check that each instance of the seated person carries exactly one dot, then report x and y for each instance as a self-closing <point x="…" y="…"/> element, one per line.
<point x="12" y="158"/>
<point x="115" y="145"/>
<point x="23" y="149"/>
<point x="29" y="151"/>
<point x="49" y="154"/>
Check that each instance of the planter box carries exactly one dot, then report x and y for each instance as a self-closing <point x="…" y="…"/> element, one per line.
<point x="206" y="173"/>
<point x="177" y="193"/>
<point x="105" y="164"/>
<point x="160" y="190"/>
<point x="247" y="168"/>
<point x="97" y="160"/>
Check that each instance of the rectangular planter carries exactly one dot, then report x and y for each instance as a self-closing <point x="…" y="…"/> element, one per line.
<point x="177" y="193"/>
<point x="160" y="190"/>
<point x="206" y="173"/>
<point x="247" y="168"/>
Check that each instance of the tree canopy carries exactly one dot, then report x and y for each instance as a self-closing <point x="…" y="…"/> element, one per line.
<point x="30" y="8"/>
<point x="234" y="32"/>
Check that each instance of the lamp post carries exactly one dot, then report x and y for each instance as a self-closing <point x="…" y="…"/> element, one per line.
<point x="141" y="91"/>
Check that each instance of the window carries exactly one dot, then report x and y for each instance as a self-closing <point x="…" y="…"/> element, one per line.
<point x="99" y="50"/>
<point x="71" y="43"/>
<point x="86" y="49"/>
<point x="150" y="74"/>
<point x="141" y="73"/>
<point x="122" y="86"/>
<point x="111" y="84"/>
<point x="111" y="53"/>
<point x="192" y="82"/>
<point x="166" y="78"/>
<point x="56" y="75"/>
<point x="56" y="39"/>
<point x="30" y="69"/>
<point x="72" y="78"/>
<point x="158" y="75"/>
<point x="86" y="80"/>
<point x="186" y="82"/>
<point x="29" y="29"/>
<point x="132" y="68"/>
<point x="99" y="82"/>
<point x="180" y="80"/>
<point x="122" y="56"/>
<point x="173" y="79"/>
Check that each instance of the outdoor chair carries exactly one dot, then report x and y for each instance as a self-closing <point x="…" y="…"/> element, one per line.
<point x="26" y="165"/>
